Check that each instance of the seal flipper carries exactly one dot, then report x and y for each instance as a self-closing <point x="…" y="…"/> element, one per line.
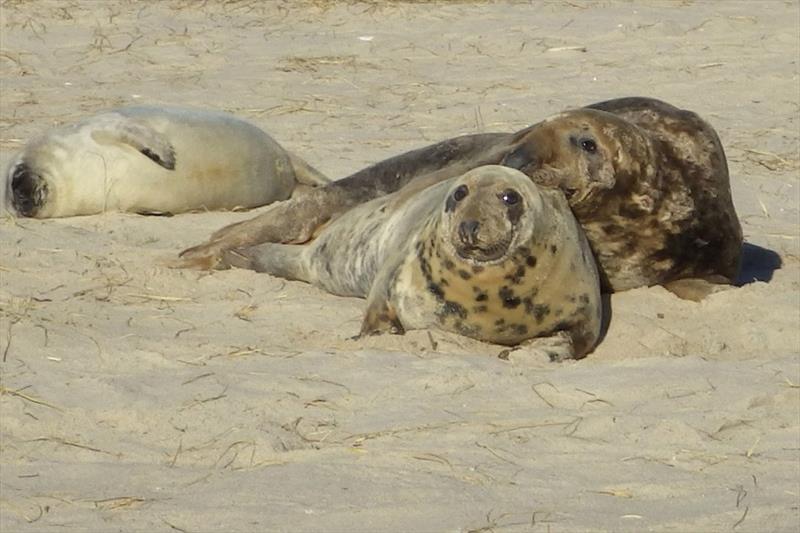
<point x="283" y="260"/>
<point x="305" y="174"/>
<point x="697" y="289"/>
<point x="381" y="315"/>
<point x="555" y="348"/>
<point x="117" y="129"/>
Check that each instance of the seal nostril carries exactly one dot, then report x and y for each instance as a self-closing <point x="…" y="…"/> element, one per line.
<point x="468" y="231"/>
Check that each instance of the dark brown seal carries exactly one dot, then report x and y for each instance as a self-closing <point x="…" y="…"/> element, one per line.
<point x="647" y="181"/>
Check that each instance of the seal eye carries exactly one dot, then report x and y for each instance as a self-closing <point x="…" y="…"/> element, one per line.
<point x="460" y="193"/>
<point x="588" y="145"/>
<point x="510" y="197"/>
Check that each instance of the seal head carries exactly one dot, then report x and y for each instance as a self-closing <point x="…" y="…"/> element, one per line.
<point x="504" y="261"/>
<point x="483" y="230"/>
<point x="28" y="190"/>
<point x="650" y="190"/>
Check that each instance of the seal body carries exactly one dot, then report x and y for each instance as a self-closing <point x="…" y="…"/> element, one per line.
<point x="649" y="184"/>
<point x="152" y="160"/>
<point x="488" y="255"/>
<point x="647" y="181"/>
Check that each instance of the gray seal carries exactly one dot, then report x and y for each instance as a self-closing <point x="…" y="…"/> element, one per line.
<point x="488" y="255"/>
<point x="152" y="160"/>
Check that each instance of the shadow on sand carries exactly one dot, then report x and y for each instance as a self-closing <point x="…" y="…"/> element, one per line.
<point x="758" y="264"/>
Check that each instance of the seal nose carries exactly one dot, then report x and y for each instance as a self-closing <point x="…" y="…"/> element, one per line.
<point x="468" y="231"/>
<point x="26" y="190"/>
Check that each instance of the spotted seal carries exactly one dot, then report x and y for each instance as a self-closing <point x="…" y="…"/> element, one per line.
<point x="647" y="181"/>
<point x="489" y="255"/>
<point x="152" y="160"/>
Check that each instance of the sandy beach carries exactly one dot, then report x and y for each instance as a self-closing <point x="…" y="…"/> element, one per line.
<point x="141" y="398"/>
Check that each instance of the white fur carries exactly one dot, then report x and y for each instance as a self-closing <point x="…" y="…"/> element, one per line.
<point x="221" y="162"/>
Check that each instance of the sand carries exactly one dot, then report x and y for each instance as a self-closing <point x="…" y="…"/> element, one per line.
<point x="139" y="398"/>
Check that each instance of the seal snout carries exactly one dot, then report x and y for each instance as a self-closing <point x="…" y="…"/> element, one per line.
<point x="468" y="232"/>
<point x="28" y="190"/>
<point x="479" y="242"/>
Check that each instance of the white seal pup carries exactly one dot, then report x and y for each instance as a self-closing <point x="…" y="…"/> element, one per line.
<point x="152" y="160"/>
<point x="488" y="254"/>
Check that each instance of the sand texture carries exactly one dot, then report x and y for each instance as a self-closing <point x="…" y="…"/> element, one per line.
<point x="140" y="398"/>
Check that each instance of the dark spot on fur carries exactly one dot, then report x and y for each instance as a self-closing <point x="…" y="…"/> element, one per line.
<point x="528" y="303"/>
<point x="508" y="297"/>
<point x="530" y="261"/>
<point x="516" y="276"/>
<point x="481" y="297"/>
<point x="454" y="308"/>
<point x="448" y="264"/>
<point x="540" y="311"/>
<point x="477" y="269"/>
<point x="464" y="274"/>
<point x="436" y="290"/>
<point x="499" y="321"/>
<point x="553" y="249"/>
<point x="584" y="298"/>
<point x="480" y="309"/>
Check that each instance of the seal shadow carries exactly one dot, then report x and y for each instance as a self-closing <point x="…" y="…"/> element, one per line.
<point x="758" y="264"/>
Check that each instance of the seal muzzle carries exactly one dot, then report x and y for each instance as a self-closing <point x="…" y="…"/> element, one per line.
<point x="28" y="190"/>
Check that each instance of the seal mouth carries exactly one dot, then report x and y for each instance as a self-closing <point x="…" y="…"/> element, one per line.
<point x="28" y="190"/>
<point x="483" y="252"/>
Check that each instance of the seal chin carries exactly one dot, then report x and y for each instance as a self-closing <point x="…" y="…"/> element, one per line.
<point x="28" y="190"/>
<point x="482" y="253"/>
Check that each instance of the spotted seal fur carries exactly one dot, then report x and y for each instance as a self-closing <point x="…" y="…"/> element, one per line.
<point x="152" y="160"/>
<point x="648" y="181"/>
<point x="488" y="255"/>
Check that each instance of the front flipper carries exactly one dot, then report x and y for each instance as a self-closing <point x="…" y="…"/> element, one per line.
<point x="557" y="348"/>
<point x="113" y="128"/>
<point x="291" y="221"/>
<point x="697" y="289"/>
<point x="381" y="316"/>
